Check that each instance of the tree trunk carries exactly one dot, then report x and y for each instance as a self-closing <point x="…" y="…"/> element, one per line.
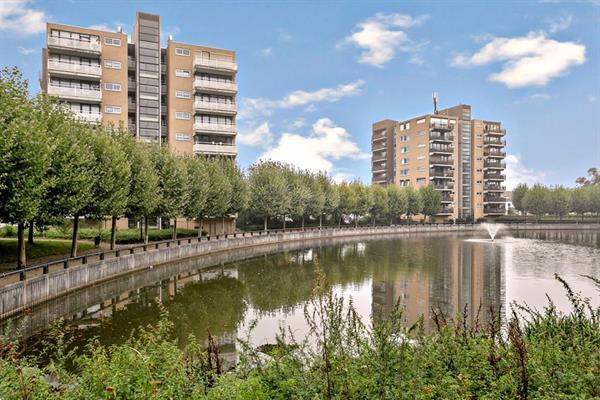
<point x="265" y="224"/>
<point x="303" y="222"/>
<point x="74" y="238"/>
<point x="284" y="223"/>
<point x="321" y="221"/>
<point x="145" y="229"/>
<point x="30" y="233"/>
<point x="391" y="221"/>
<point x="113" y="232"/>
<point x="340" y="222"/>
<point x="223" y="224"/>
<point x="21" y="249"/>
<point x="174" y="228"/>
<point x="141" y="230"/>
<point x="373" y="223"/>
<point x="200" y="228"/>
<point x="355" y="220"/>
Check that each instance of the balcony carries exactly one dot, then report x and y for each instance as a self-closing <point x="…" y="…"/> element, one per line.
<point x="494" y="141"/>
<point x="215" y="128"/>
<point x="436" y="160"/>
<point x="380" y="157"/>
<point x="443" y="185"/>
<point x="494" y="210"/>
<point x="494" y="176"/>
<point x="215" y="86"/>
<point x="448" y="210"/>
<point x="441" y="137"/>
<point x="493" y="187"/>
<point x="207" y="64"/>
<point x="131" y="86"/>
<point x="65" y="68"/>
<point x="379" y="146"/>
<point x="215" y="107"/>
<point x="447" y="197"/>
<point x="441" y="149"/>
<point x="75" y="93"/>
<point x="493" y="131"/>
<point x="493" y="164"/>
<point x="92" y="118"/>
<point x="443" y="127"/>
<point x="215" y="148"/>
<point x="75" y="45"/>
<point x="494" y="152"/>
<point x="131" y="63"/>
<point x="494" y="198"/>
<point x="442" y="173"/>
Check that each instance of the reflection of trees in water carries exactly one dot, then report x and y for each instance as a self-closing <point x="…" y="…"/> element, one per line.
<point x="580" y="238"/>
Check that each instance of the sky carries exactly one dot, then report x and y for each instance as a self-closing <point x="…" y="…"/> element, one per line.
<point x="313" y="76"/>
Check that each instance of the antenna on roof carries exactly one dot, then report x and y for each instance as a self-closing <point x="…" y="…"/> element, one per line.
<point x="120" y="29"/>
<point x="170" y="37"/>
<point x="434" y="95"/>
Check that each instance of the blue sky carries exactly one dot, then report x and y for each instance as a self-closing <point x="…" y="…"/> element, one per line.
<point x="314" y="76"/>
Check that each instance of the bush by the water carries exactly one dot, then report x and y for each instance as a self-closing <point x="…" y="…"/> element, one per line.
<point x="534" y="355"/>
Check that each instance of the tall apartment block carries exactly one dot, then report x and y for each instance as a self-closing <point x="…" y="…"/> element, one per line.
<point x="460" y="156"/>
<point x="182" y="96"/>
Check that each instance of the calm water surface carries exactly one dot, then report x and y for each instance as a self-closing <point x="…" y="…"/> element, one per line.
<point x="446" y="272"/>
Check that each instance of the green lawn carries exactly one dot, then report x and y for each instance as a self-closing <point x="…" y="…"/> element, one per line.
<point x="124" y="236"/>
<point x="39" y="249"/>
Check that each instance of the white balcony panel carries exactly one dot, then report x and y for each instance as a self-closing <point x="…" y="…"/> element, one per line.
<point x="200" y="84"/>
<point x="207" y="63"/>
<point x="89" y="117"/>
<point x="229" y="108"/>
<point x="75" y="93"/>
<point x="75" y="69"/>
<point x="92" y="47"/>
<point x="220" y="128"/>
<point x="206" y="148"/>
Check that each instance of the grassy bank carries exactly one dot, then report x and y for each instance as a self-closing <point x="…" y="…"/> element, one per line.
<point x="39" y="249"/>
<point x="544" y="355"/>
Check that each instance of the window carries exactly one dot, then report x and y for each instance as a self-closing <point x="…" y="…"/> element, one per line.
<point x="182" y="115"/>
<point x="420" y="169"/>
<point x="421" y="158"/>
<point x="420" y="181"/>
<point x="404" y="150"/>
<point x="404" y="172"/>
<point x="182" y="94"/>
<point x="112" y="41"/>
<point x="182" y="73"/>
<point x="183" y="137"/>
<point x="421" y="133"/>
<point x="112" y="110"/>
<point x="112" y="64"/>
<point x="404" y="161"/>
<point x="182" y="52"/>
<point x="404" y="138"/>
<point x="422" y="120"/>
<point x="421" y="145"/>
<point x="113" y="87"/>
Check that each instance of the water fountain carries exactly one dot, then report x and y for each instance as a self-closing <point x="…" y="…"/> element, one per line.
<point x="492" y="229"/>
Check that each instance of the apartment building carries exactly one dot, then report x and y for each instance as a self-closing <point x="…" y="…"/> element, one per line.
<point x="460" y="156"/>
<point x="182" y="96"/>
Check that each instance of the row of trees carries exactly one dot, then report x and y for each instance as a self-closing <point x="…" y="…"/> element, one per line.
<point x="540" y="200"/>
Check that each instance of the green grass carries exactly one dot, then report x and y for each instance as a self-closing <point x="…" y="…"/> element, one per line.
<point x="39" y="249"/>
<point x="124" y="236"/>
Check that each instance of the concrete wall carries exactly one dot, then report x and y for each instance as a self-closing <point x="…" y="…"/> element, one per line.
<point x="39" y="287"/>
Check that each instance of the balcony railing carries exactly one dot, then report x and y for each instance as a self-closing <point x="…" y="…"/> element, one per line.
<point x="447" y="197"/>
<point x="494" y="177"/>
<point x="74" y="68"/>
<point x="131" y="63"/>
<point x="377" y="170"/>
<point x="489" y="130"/>
<point x="229" y="108"/>
<point x="66" y="43"/>
<point x="207" y="63"/>
<point x="380" y="157"/>
<point x="437" y="126"/>
<point x="494" y="210"/>
<point x="493" y="152"/>
<point x="446" y="210"/>
<point x="494" y="198"/>
<point x="494" y="187"/>
<point x="75" y="93"/>
<point x="436" y="148"/>
<point x="434" y="160"/>
<point x="440" y="173"/>
<point x="89" y="117"/>
<point x="215" y="148"/>
<point x="131" y="86"/>
<point x="221" y="128"/>
<point x="215" y="85"/>
<point x="490" y="164"/>
<point x="494" y="141"/>
<point x="441" y="137"/>
<point x="443" y="185"/>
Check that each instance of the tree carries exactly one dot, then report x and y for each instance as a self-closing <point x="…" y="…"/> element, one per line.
<point x="379" y="204"/>
<point x="559" y="201"/>
<point x="594" y="199"/>
<point x="219" y="196"/>
<point x="172" y="181"/>
<point x="431" y="201"/>
<point x="518" y="195"/>
<point x="397" y="202"/>
<point x="413" y="200"/>
<point x="580" y="201"/>
<point x="330" y="194"/>
<point x="537" y="200"/>
<point x="592" y="179"/>
<point x="347" y="203"/>
<point x="298" y="192"/>
<point x="364" y="200"/>
<point x="268" y="190"/>
<point x="315" y="202"/>
<point x="24" y="156"/>
<point x="112" y="179"/>
<point x="239" y="188"/>
<point x="144" y="190"/>
<point x="198" y="185"/>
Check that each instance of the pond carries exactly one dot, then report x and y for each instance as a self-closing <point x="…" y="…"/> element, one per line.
<point x="452" y="273"/>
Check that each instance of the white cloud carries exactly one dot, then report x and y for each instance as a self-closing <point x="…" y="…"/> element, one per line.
<point x="285" y="36"/>
<point x="266" y="51"/>
<point x="299" y="123"/>
<point x="535" y="98"/>
<point x="17" y="18"/>
<point x="560" y="23"/>
<point x="25" y="50"/>
<point x="380" y="36"/>
<point x="251" y="108"/>
<point x="326" y="143"/>
<point x="261" y="135"/>
<point x="528" y="60"/>
<point x="101" y="27"/>
<point x="339" y="177"/>
<point x="592" y="98"/>
<point x="517" y="173"/>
